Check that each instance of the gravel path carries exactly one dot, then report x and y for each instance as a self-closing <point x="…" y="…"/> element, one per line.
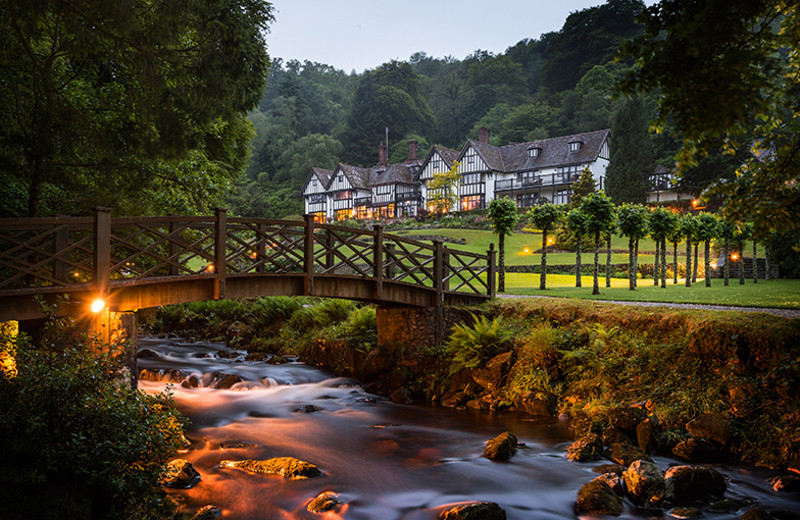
<point x="785" y="313"/>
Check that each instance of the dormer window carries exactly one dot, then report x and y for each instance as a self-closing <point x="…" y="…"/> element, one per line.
<point x="574" y="146"/>
<point x="533" y="152"/>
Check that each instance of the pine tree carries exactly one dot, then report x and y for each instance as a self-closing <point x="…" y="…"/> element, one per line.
<point x="632" y="154"/>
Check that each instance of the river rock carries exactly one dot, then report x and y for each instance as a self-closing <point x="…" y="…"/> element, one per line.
<point x="191" y="381"/>
<point x="626" y="454"/>
<point x="146" y="353"/>
<point x="756" y="514"/>
<point x="180" y="474"/>
<point x="685" y="512"/>
<point x="287" y="467"/>
<point x="786" y="483"/>
<point x="645" y="483"/>
<point x="207" y="513"/>
<point x="614" y="481"/>
<point x="729" y="505"/>
<point x="225" y="381"/>
<point x="494" y="374"/>
<point x="325" y="501"/>
<point x="502" y="447"/>
<point x="277" y="359"/>
<point x="645" y="434"/>
<point x="598" y="498"/>
<point x="697" y="449"/>
<point x="616" y="469"/>
<point x="685" y="485"/>
<point x="714" y="426"/>
<point x="585" y="449"/>
<point x="476" y="511"/>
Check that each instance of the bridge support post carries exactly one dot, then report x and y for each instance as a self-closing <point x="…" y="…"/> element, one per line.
<point x="308" y="254"/>
<point x="416" y="327"/>
<point x="220" y="260"/>
<point x="377" y="260"/>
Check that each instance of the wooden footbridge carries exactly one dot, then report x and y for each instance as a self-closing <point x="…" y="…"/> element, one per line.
<point x="138" y="262"/>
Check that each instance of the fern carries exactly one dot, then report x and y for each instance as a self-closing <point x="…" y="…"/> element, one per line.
<point x="473" y="345"/>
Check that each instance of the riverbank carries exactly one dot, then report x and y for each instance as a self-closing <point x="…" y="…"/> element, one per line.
<point x="550" y="357"/>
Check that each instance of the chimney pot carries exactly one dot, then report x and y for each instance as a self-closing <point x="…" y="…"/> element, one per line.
<point x="412" y="150"/>
<point x="382" y="155"/>
<point x="484" y="135"/>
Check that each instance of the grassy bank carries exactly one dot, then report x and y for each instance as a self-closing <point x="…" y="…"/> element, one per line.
<point x="578" y="357"/>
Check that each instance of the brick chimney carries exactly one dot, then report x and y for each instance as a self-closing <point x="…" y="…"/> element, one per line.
<point x="382" y="155"/>
<point x="412" y="151"/>
<point x="484" y="135"/>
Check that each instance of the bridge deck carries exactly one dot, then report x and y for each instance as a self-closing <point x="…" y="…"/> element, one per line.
<point x="142" y="262"/>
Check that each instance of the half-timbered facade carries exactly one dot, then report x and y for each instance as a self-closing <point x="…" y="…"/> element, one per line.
<point x="439" y="160"/>
<point x="315" y="193"/>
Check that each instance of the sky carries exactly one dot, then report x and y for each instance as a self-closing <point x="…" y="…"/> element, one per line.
<point x="363" y="34"/>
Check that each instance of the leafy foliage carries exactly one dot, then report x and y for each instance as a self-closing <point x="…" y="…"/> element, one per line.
<point x="473" y="345"/>
<point x="632" y="158"/>
<point x="503" y="217"/>
<point x="443" y="190"/>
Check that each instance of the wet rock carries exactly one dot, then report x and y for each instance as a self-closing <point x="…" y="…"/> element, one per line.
<point x="645" y="483"/>
<point x="645" y="434"/>
<point x="614" y="481"/>
<point x="714" y="426"/>
<point x="616" y="469"/>
<point x="256" y="356"/>
<point x="494" y="374"/>
<point x="597" y="497"/>
<point x="786" y="483"/>
<point x="729" y="505"/>
<point x="476" y="511"/>
<point x="225" y="381"/>
<point x="756" y="514"/>
<point x="180" y="474"/>
<point x="612" y="435"/>
<point x="207" y="513"/>
<point x="626" y="418"/>
<point x="502" y="447"/>
<point x="697" y="449"/>
<point x="536" y="405"/>
<point x="287" y="467"/>
<point x="454" y="400"/>
<point x="309" y="408"/>
<point x="666" y="440"/>
<point x="585" y="449"/>
<point x="685" y="512"/>
<point x="325" y="501"/>
<point x="191" y="382"/>
<point x="277" y="359"/>
<point x="477" y="404"/>
<point x="146" y="353"/>
<point x="627" y="454"/>
<point x="686" y="485"/>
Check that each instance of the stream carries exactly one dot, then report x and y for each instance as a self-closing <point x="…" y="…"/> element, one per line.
<point x="386" y="461"/>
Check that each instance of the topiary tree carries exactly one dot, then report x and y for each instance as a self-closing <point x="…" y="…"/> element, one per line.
<point x="544" y="218"/>
<point x="744" y="231"/>
<point x="688" y="228"/>
<point x="726" y="231"/>
<point x="575" y="222"/>
<point x="632" y="223"/>
<point x="585" y="185"/>
<point x="599" y="211"/>
<point x="661" y="224"/>
<point x="707" y="230"/>
<point x="675" y="237"/>
<point x="503" y="217"/>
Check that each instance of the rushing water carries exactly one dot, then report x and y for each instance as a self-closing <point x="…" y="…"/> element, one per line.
<point x="386" y="461"/>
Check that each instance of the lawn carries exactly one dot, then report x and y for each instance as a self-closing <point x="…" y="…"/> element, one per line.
<point x="766" y="293"/>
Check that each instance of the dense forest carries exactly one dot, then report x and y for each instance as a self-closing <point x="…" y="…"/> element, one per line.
<point x="562" y="83"/>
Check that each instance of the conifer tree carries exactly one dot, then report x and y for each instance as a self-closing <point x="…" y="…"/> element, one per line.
<point x="632" y="154"/>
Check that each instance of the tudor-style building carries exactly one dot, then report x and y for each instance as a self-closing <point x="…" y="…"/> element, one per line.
<point x="530" y="173"/>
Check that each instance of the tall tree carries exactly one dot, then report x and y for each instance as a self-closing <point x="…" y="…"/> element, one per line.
<point x="726" y="231"/>
<point x="599" y="211"/>
<point x="575" y="222"/>
<point x="503" y="217"/>
<point x="661" y="224"/>
<point x="544" y="218"/>
<point x="108" y="102"/>
<point x="585" y="185"/>
<point x="632" y="223"/>
<point x="687" y="228"/>
<point x="734" y="52"/>
<point x="632" y="158"/>
<point x="707" y="230"/>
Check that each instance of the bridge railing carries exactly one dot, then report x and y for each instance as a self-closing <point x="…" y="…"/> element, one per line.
<point x="59" y="254"/>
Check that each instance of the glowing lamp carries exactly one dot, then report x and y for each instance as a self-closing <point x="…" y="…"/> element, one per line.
<point x="210" y="268"/>
<point x="526" y="250"/>
<point x="713" y="265"/>
<point x="734" y="257"/>
<point x="98" y="305"/>
<point x="254" y="254"/>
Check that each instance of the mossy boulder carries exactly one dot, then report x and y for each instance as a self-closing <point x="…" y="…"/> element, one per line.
<point x="587" y="448"/>
<point x="697" y="449"/>
<point x="713" y="426"/>
<point x="325" y="501"/>
<point x="598" y="497"/>
<point x="476" y="511"/>
<point x="645" y="483"/>
<point x="626" y="454"/>
<point x="287" y="467"/>
<point x="501" y="448"/>
<point x="686" y="485"/>
<point x="180" y="474"/>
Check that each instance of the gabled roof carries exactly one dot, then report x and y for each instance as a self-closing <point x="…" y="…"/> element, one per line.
<point x="322" y="174"/>
<point x="448" y="156"/>
<point x="359" y="177"/>
<point x="553" y="152"/>
<point x="394" y="173"/>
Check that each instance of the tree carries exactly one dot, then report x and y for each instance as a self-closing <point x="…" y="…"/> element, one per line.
<point x="744" y="231"/>
<point x="726" y="231"/>
<point x="109" y="102"/>
<point x="576" y="224"/>
<point x="443" y="190"/>
<point x="632" y="223"/>
<point x="544" y="217"/>
<point x="632" y="158"/>
<point x="585" y="185"/>
<point x="599" y="211"/>
<point x="707" y="230"/>
<point x="661" y="224"/>
<point x="503" y="217"/>
<point x="736" y="76"/>
<point x="675" y="237"/>
<point x="688" y="228"/>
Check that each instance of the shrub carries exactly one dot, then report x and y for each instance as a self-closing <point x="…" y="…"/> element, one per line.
<point x="472" y="345"/>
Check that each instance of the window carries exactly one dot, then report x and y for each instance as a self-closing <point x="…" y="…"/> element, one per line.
<point x="316" y="199"/>
<point x="384" y="189"/>
<point x="472" y="202"/>
<point x="471" y="159"/>
<point x="472" y="178"/>
<point x="343" y="195"/>
<point x="533" y="152"/>
<point x="562" y="197"/>
<point x="314" y="183"/>
<point x="574" y="146"/>
<point x="436" y="164"/>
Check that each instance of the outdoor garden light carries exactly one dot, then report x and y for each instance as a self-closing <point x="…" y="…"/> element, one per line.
<point x="734" y="256"/>
<point x="526" y="250"/>
<point x="98" y="305"/>
<point x="210" y="268"/>
<point x="254" y="254"/>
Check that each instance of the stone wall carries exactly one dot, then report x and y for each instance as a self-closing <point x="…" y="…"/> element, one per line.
<point x="417" y="327"/>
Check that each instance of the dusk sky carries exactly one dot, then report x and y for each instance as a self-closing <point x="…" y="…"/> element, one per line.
<point x="363" y="34"/>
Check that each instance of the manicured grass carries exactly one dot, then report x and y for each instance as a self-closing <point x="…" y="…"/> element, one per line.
<point x="766" y="293"/>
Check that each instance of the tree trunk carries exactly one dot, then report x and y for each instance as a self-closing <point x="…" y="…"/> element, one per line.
<point x="636" y="265"/>
<point x="655" y="263"/>
<point x="688" y="262"/>
<point x="741" y="262"/>
<point x="501" y="264"/>
<point x="608" y="260"/>
<point x="755" y="261"/>
<point x="631" y="267"/>
<point x="694" y="267"/>
<point x="595" y="283"/>
<point x="664" y="263"/>
<point x="674" y="263"/>
<point x="543" y="275"/>
<point x="706" y="262"/>
<point x="766" y="262"/>
<point x="726" y="267"/>
<point x="578" y="264"/>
